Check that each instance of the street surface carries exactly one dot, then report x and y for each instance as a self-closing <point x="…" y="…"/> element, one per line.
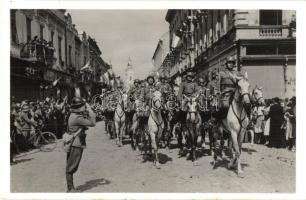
<point x="108" y="168"/>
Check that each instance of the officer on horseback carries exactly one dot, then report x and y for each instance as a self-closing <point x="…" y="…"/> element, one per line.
<point x="134" y="92"/>
<point x="228" y="83"/>
<point x="187" y="88"/>
<point x="149" y="90"/>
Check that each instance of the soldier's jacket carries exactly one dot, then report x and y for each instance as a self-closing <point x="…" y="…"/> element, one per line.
<point x="228" y="79"/>
<point x="134" y="93"/>
<point x="77" y="121"/>
<point x="213" y="88"/>
<point x="203" y="90"/>
<point x="187" y="88"/>
<point x="147" y="93"/>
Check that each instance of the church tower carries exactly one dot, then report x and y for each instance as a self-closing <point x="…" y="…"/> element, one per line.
<point x="129" y="74"/>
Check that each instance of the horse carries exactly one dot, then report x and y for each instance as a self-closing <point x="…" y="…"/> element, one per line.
<point x="237" y="120"/>
<point x="119" y="120"/>
<point x="257" y="96"/>
<point x="139" y="127"/>
<point x="204" y="113"/>
<point x="193" y="123"/>
<point x="170" y="119"/>
<point x="155" y="124"/>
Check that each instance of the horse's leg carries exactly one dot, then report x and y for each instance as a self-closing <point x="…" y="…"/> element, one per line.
<point x="153" y="136"/>
<point x="117" y="131"/>
<point x="240" y="141"/>
<point x="179" y="133"/>
<point x="194" y="139"/>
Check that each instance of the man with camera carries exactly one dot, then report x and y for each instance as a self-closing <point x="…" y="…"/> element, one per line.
<point x="81" y="117"/>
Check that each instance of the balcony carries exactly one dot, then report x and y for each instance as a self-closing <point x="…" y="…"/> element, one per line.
<point x="270" y="32"/>
<point x="34" y="52"/>
<point x="263" y="32"/>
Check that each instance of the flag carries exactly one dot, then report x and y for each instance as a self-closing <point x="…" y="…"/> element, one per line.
<point x="175" y="40"/>
<point x="55" y="82"/>
<point x="106" y="78"/>
<point x="77" y="92"/>
<point x="86" y="66"/>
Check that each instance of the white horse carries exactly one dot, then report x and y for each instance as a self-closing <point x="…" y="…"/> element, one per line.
<point x="119" y="120"/>
<point x="156" y="124"/>
<point x="237" y="121"/>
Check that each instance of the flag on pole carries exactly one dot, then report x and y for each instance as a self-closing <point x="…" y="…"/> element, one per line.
<point x="55" y="82"/>
<point x="175" y="40"/>
<point x="77" y="92"/>
<point x="86" y="66"/>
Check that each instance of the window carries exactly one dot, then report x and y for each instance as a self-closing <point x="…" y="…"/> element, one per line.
<point x="84" y="60"/>
<point x="52" y="38"/>
<point x="41" y="31"/>
<point x="60" y="49"/>
<point x="270" y="17"/>
<point x="261" y="50"/>
<point x="28" y="24"/>
<point x="69" y="54"/>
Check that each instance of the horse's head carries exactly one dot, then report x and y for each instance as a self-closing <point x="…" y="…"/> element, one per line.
<point x="192" y="103"/>
<point x="257" y="95"/>
<point x="139" y="104"/>
<point x="125" y="100"/>
<point x="243" y="88"/>
<point x="156" y="100"/>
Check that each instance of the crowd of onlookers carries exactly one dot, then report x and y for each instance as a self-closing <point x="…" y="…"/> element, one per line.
<point x="274" y="123"/>
<point x="25" y="117"/>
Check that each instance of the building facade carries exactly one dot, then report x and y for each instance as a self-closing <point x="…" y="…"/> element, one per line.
<point x="263" y="41"/>
<point x="46" y="49"/>
<point x="160" y="53"/>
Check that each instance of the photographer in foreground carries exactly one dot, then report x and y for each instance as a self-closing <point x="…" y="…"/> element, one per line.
<point x="80" y="118"/>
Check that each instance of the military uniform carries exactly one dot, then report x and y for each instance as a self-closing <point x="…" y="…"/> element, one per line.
<point x="77" y="120"/>
<point x="188" y="88"/>
<point x="228" y="83"/>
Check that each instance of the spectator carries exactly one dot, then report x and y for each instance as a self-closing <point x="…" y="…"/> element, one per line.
<point x="259" y="118"/>
<point x="266" y="122"/>
<point x="276" y="121"/>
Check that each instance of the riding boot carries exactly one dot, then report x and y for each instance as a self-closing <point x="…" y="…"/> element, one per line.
<point x="70" y="186"/>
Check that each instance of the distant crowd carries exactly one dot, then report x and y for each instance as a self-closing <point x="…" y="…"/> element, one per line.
<point x="27" y="117"/>
<point x="274" y="124"/>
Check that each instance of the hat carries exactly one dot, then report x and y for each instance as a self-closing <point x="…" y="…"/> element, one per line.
<point x="77" y="102"/>
<point x="25" y="107"/>
<point x="201" y="80"/>
<point x="230" y="59"/>
<point x="150" y="77"/>
<point x="189" y="74"/>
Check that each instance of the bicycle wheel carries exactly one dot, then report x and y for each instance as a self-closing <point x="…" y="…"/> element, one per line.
<point x="47" y="141"/>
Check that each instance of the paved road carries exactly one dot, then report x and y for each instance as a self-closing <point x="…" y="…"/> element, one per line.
<point x="107" y="168"/>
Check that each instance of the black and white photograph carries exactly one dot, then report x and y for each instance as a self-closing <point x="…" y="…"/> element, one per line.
<point x="152" y="100"/>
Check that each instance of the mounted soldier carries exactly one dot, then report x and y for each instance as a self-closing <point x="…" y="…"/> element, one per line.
<point x="228" y="83"/>
<point x="135" y="92"/>
<point x="213" y="90"/>
<point x="189" y="88"/>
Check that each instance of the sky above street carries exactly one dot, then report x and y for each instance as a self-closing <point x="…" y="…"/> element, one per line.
<point x="121" y="34"/>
